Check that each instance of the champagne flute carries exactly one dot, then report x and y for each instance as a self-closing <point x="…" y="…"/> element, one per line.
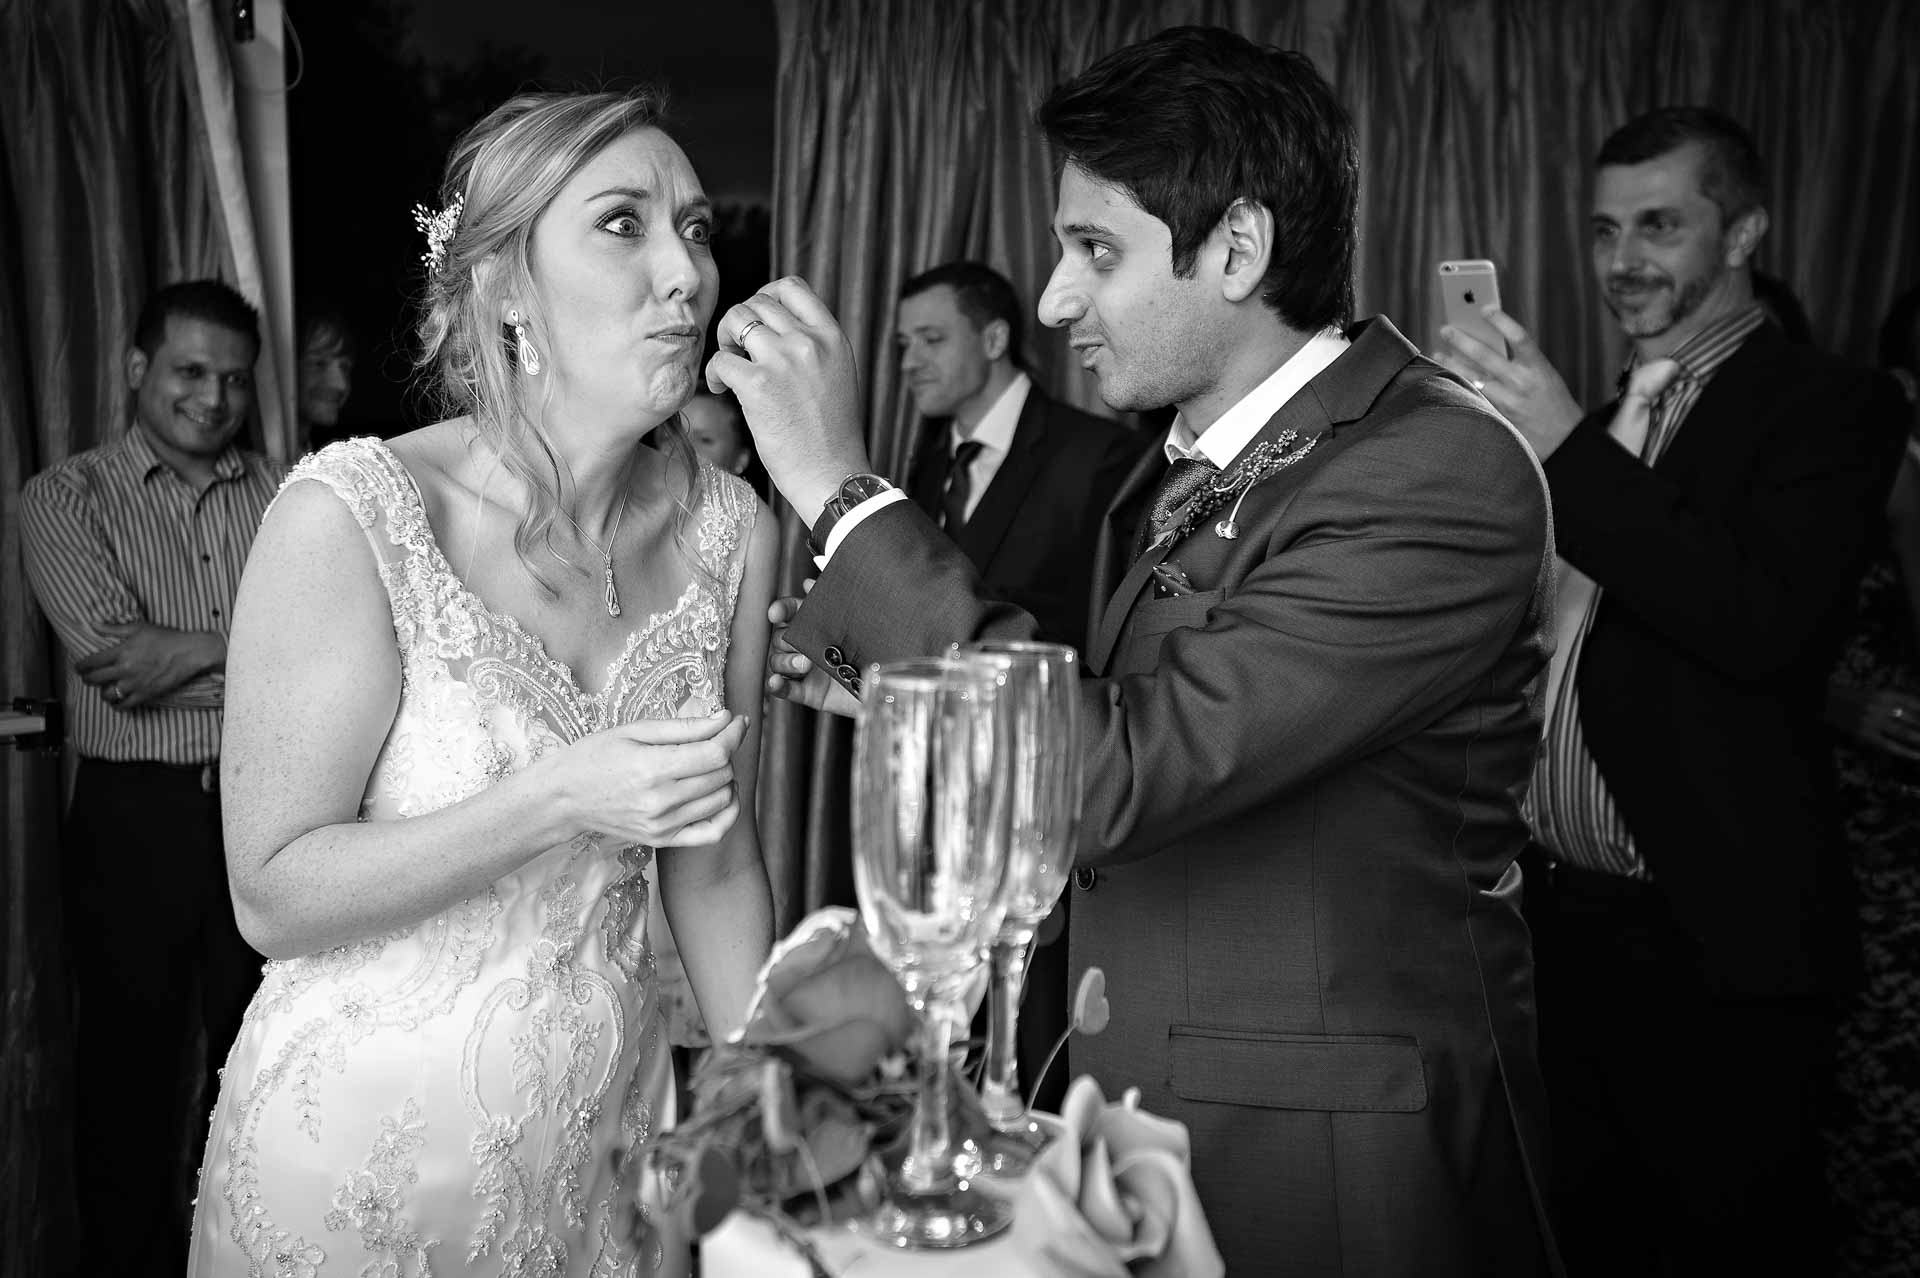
<point x="929" y="857"/>
<point x="1042" y="707"/>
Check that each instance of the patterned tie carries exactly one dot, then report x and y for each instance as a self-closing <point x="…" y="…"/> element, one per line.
<point x="1183" y="479"/>
<point x="953" y="506"/>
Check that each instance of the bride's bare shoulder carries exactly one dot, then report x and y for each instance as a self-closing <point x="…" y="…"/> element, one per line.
<point x="440" y="450"/>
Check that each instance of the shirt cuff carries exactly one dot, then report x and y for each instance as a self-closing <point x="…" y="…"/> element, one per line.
<point x="851" y="520"/>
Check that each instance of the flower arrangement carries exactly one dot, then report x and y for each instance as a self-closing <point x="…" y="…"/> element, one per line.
<point x="789" y="1110"/>
<point x="1116" y="1188"/>
<point x="798" y="1115"/>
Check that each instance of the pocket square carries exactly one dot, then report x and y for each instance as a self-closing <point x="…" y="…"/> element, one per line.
<point x="1170" y="579"/>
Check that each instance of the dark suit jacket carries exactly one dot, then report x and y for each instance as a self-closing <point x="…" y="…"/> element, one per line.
<point x="1032" y="535"/>
<point x="1728" y="573"/>
<point x="1302" y="813"/>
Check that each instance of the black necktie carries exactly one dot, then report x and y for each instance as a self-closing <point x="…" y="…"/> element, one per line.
<point x="953" y="507"/>
<point x="1183" y="479"/>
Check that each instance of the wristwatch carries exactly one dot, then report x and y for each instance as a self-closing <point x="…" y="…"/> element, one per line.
<point x="853" y="490"/>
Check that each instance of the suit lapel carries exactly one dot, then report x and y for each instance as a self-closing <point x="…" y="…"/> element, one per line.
<point x="1344" y="391"/>
<point x="1303" y="414"/>
<point x="987" y="527"/>
<point x="1113" y="552"/>
<point x="1737" y="396"/>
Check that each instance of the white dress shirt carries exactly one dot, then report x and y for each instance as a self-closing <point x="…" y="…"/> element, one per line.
<point x="1234" y="429"/>
<point x="994" y="434"/>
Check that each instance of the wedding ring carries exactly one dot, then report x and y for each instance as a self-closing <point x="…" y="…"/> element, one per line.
<point x="740" y="338"/>
<point x="114" y="693"/>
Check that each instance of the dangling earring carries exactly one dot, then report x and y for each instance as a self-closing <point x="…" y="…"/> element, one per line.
<point x="529" y="357"/>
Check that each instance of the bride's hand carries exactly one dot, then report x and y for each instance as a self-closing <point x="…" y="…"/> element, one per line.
<point x="662" y="782"/>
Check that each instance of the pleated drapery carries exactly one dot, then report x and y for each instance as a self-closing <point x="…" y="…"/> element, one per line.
<point x="904" y="139"/>
<point x="109" y="188"/>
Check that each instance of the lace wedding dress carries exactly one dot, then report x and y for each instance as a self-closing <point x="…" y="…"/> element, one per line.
<point x="475" y="1093"/>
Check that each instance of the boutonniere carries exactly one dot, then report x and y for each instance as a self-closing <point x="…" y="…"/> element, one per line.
<point x="1263" y="461"/>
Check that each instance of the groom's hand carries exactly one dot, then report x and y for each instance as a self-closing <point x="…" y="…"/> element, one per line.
<point x="792" y="368"/>
<point x="791" y="674"/>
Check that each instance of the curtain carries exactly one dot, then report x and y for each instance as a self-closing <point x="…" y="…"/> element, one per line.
<point x="108" y="189"/>
<point x="903" y="139"/>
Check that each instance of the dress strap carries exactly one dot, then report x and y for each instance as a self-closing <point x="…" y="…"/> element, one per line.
<point x="728" y="509"/>
<point x="382" y="497"/>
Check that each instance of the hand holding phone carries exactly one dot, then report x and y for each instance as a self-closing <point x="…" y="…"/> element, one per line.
<point x="1467" y="285"/>
<point x="1518" y="380"/>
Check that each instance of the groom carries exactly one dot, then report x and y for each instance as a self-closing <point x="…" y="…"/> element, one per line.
<point x="1314" y="715"/>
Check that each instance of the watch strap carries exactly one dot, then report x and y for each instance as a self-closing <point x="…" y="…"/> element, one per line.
<point x="853" y="490"/>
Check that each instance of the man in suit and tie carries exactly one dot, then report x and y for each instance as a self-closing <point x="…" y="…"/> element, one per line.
<point x="1695" y="927"/>
<point x="1313" y="716"/>
<point x="1017" y="479"/>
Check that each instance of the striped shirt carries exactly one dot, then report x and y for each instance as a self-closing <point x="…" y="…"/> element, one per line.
<point x="114" y="535"/>
<point x="1571" y="811"/>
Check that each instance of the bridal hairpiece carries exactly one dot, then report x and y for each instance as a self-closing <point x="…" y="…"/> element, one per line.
<point x="438" y="228"/>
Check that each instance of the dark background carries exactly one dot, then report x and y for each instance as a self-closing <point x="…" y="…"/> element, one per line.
<point x="385" y="86"/>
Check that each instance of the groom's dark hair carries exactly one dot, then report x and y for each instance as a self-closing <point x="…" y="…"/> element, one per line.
<point x="1195" y="118"/>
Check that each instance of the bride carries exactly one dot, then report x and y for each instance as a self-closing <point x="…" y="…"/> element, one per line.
<point x="478" y="679"/>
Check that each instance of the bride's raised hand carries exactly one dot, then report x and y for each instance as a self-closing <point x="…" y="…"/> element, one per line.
<point x="664" y="782"/>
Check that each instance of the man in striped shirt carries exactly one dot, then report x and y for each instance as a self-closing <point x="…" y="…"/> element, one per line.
<point x="1695" y="928"/>
<point x="134" y="551"/>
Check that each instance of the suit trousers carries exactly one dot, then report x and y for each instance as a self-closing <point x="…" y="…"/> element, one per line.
<point x="158" y="962"/>
<point x="1685" y="1121"/>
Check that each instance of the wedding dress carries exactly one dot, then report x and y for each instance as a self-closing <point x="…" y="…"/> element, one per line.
<point x="475" y="1093"/>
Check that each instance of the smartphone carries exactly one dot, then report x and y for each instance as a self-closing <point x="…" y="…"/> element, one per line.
<point x="1465" y="287"/>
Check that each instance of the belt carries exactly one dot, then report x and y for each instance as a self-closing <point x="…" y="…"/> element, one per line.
<point x="1575" y="886"/>
<point x="204" y="775"/>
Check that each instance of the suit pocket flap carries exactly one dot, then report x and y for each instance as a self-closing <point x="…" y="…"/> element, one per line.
<point x="1332" y="1072"/>
<point x="1158" y="616"/>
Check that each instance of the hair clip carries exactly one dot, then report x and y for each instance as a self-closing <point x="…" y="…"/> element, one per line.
<point x="438" y="228"/>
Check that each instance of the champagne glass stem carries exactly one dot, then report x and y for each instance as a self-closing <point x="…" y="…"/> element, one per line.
<point x="928" y="1168"/>
<point x="1000" y="1095"/>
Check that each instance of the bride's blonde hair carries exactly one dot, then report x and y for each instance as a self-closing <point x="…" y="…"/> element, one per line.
<point x="502" y="175"/>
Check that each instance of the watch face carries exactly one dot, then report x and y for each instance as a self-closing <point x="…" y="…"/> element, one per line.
<point x="854" y="489"/>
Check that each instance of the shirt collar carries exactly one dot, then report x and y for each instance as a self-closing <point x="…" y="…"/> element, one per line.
<point x="1701" y="355"/>
<point x="995" y="430"/>
<point x="1234" y="429"/>
<point x="143" y="461"/>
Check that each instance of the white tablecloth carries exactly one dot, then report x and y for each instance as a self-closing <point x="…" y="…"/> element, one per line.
<point x="745" y="1247"/>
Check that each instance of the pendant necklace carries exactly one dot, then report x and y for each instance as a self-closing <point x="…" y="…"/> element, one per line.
<point x="606" y="555"/>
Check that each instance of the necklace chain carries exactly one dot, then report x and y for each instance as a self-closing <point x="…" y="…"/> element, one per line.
<point x="606" y="555"/>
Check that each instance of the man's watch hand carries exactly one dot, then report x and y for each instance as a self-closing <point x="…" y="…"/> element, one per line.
<point x="853" y="490"/>
<point x="784" y="356"/>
